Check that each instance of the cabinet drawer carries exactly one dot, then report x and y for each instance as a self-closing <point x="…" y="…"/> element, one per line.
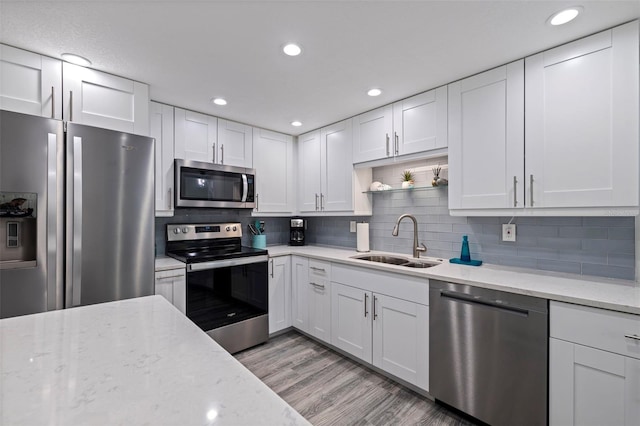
<point x="319" y="269"/>
<point x="611" y="331"/>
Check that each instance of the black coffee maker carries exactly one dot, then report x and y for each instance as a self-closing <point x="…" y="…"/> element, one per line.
<point x="296" y="232"/>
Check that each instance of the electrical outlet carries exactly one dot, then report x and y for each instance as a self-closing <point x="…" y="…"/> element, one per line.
<point x="509" y="232"/>
<point x="352" y="226"/>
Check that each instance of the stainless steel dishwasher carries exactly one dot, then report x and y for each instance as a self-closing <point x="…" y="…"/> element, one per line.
<point x="488" y="353"/>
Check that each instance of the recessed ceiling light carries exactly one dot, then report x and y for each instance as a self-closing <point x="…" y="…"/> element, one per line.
<point x="374" y="92"/>
<point x="296" y="123"/>
<point x="292" y="49"/>
<point x="565" y="15"/>
<point x="219" y="101"/>
<point x="76" y="59"/>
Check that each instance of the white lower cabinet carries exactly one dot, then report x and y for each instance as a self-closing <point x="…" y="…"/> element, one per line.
<point x="594" y="366"/>
<point x="279" y="293"/>
<point x="172" y="284"/>
<point x="319" y="299"/>
<point x="390" y="332"/>
<point x="299" y="292"/>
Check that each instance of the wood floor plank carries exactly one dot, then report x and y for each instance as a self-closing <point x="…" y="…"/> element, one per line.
<point x="330" y="389"/>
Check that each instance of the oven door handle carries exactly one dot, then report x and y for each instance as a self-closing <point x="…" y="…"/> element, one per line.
<point x="216" y="264"/>
<point x="245" y="188"/>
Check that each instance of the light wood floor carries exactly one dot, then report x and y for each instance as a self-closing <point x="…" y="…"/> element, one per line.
<point x="330" y="389"/>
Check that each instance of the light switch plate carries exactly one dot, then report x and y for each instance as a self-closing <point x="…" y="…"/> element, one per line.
<point x="352" y="226"/>
<point x="509" y="232"/>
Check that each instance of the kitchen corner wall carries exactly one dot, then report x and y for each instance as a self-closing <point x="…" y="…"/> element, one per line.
<point x="276" y="229"/>
<point x="597" y="246"/>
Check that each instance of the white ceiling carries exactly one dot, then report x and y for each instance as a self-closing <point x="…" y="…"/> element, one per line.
<point x="191" y="51"/>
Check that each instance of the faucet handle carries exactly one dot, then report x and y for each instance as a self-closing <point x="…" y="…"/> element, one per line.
<point x="421" y="247"/>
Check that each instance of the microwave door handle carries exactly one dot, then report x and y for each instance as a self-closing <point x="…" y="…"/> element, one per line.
<point x="245" y="188"/>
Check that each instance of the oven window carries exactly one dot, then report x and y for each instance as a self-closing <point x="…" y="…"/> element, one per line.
<point x="210" y="185"/>
<point x="219" y="297"/>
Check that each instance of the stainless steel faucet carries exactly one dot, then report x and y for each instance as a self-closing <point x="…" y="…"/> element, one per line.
<point x="416" y="248"/>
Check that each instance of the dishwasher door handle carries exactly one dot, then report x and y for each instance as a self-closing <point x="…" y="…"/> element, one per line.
<point x="464" y="297"/>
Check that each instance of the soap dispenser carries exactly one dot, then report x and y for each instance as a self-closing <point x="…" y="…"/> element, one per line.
<point x="465" y="256"/>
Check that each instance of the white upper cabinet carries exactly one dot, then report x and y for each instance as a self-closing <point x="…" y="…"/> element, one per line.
<point x="235" y="144"/>
<point x="30" y="83"/>
<point x="325" y="169"/>
<point x="104" y="100"/>
<point x="582" y="122"/>
<point x="486" y="139"/>
<point x="273" y="161"/>
<point x="414" y="125"/>
<point x="196" y="136"/>
<point x="161" y="129"/>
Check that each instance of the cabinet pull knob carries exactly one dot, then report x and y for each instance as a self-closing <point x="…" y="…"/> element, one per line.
<point x="366" y="296"/>
<point x="531" y="189"/>
<point x="387" y="136"/>
<point x="396" y="143"/>
<point x="515" y="191"/>
<point x="70" y="105"/>
<point x="375" y="313"/>
<point x="632" y="336"/>
<point x="53" y="102"/>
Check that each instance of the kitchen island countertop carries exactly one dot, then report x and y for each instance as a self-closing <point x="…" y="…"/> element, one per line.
<point x="136" y="361"/>
<point x="613" y="294"/>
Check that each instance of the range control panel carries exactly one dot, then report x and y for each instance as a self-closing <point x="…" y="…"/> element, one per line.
<point x="203" y="231"/>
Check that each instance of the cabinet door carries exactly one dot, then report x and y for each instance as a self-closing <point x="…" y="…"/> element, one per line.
<point x="372" y="135"/>
<point x="582" y="122"/>
<point x="172" y="285"/>
<point x="300" y="293"/>
<point x="273" y="161"/>
<point x="235" y="144"/>
<point x="309" y="170"/>
<point x="486" y="145"/>
<point x="337" y="167"/>
<point x="30" y="83"/>
<point x="588" y="386"/>
<point x="420" y="122"/>
<point x="401" y="339"/>
<point x="279" y="293"/>
<point x="103" y="100"/>
<point x="351" y="320"/>
<point x="320" y="309"/>
<point x="196" y="136"/>
<point x="161" y="129"/>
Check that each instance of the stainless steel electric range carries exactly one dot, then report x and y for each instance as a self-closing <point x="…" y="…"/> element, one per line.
<point x="227" y="283"/>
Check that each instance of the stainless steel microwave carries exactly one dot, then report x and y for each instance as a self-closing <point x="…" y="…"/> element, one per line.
<point x="199" y="184"/>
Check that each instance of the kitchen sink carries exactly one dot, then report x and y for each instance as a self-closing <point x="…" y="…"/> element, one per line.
<point x="392" y="260"/>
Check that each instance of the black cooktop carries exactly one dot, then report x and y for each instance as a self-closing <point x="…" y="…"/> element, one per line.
<point x="212" y="253"/>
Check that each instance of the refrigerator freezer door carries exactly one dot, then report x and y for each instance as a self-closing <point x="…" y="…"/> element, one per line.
<point x="31" y="250"/>
<point x="110" y="215"/>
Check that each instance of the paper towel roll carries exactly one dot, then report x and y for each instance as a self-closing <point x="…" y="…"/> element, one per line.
<point x="362" y="230"/>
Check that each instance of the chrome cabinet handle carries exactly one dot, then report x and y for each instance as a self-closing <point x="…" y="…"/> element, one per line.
<point x="317" y="285"/>
<point x="515" y="191"/>
<point x="169" y="201"/>
<point x="531" y="188"/>
<point x="169" y="276"/>
<point x="396" y="143"/>
<point x="257" y="202"/>
<point x="213" y="158"/>
<point x="387" y="136"/>
<point x="375" y="313"/>
<point x="366" y="296"/>
<point x="70" y="105"/>
<point x="632" y="336"/>
<point x="321" y="201"/>
<point x="316" y="202"/>
<point x="317" y="269"/>
<point x="53" y="102"/>
<point x="272" y="273"/>
<point x="221" y="153"/>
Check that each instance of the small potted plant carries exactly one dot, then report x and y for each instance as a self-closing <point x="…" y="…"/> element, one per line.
<point x="407" y="179"/>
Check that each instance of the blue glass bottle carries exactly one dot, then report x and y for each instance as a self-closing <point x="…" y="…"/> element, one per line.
<point x="465" y="256"/>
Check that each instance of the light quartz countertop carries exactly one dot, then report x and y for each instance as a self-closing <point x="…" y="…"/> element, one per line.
<point x="137" y="361"/>
<point x="166" y="263"/>
<point x="617" y="295"/>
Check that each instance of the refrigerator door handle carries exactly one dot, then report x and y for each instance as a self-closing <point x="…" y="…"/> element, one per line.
<point x="74" y="222"/>
<point x="55" y="267"/>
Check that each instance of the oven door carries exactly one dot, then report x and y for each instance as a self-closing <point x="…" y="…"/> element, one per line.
<point x="223" y="293"/>
<point x="208" y="185"/>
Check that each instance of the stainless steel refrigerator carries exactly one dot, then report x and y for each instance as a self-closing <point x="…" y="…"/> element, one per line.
<point x="76" y="215"/>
